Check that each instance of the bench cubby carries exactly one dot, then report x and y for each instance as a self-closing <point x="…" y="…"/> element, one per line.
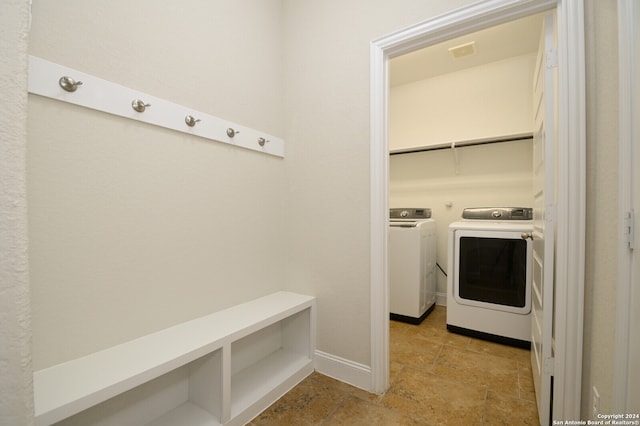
<point x="221" y="369"/>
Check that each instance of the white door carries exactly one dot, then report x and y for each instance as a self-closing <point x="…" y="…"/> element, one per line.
<point x="544" y="146"/>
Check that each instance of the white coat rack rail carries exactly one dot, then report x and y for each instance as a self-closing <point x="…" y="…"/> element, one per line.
<point x="68" y="85"/>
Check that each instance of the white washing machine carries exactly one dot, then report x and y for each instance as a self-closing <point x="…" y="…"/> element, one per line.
<point x="412" y="264"/>
<point x="489" y="281"/>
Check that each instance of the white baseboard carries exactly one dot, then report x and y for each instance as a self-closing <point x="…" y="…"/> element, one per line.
<point x="347" y="371"/>
<point x="441" y="299"/>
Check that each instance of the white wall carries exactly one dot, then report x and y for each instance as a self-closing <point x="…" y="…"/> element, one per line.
<point x="133" y="227"/>
<point x="488" y="175"/>
<point x="16" y="392"/>
<point x="327" y="109"/>
<point x="129" y="224"/>
<point x="484" y="102"/>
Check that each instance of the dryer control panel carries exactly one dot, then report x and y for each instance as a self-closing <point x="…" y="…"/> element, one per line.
<point x="498" y="213"/>
<point x="410" y="213"/>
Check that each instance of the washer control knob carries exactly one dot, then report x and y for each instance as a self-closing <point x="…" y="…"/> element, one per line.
<point x="496" y="214"/>
<point x="404" y="213"/>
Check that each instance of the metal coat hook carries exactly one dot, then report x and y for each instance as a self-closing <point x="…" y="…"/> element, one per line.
<point x="191" y="120"/>
<point x="58" y="82"/>
<point x="262" y="141"/>
<point x="138" y="105"/>
<point x="69" y="84"/>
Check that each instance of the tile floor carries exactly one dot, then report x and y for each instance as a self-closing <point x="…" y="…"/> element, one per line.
<point x="437" y="378"/>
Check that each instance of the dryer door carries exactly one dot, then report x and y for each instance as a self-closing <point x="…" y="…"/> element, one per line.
<point x="492" y="270"/>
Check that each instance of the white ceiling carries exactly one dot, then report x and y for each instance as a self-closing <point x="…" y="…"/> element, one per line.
<point x="515" y="38"/>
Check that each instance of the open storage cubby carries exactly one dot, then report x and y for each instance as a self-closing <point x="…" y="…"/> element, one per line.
<point x="190" y="394"/>
<point x="263" y="360"/>
<point x="221" y="369"/>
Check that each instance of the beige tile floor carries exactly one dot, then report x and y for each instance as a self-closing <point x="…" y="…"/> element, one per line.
<point x="437" y="378"/>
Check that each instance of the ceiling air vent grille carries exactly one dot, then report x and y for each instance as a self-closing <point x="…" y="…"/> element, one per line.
<point x="466" y="49"/>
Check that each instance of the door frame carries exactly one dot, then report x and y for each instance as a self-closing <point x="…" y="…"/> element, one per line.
<point x="628" y="63"/>
<point x="570" y="232"/>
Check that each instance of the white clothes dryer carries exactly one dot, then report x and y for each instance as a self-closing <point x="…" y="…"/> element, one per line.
<point x="489" y="280"/>
<point x="412" y="264"/>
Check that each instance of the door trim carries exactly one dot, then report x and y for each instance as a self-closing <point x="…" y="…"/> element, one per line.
<point x="628" y="61"/>
<point x="571" y="177"/>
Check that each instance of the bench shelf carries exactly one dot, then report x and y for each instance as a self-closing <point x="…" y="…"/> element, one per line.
<point x="221" y="369"/>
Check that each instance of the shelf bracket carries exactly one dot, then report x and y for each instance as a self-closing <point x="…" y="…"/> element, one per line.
<point x="456" y="159"/>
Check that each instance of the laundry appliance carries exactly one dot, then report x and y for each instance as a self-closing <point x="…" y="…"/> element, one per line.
<point x="489" y="282"/>
<point x="412" y="264"/>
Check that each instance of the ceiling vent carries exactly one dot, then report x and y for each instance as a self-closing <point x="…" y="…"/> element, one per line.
<point x="466" y="49"/>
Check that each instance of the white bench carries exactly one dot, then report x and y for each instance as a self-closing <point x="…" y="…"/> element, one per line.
<point x="220" y="369"/>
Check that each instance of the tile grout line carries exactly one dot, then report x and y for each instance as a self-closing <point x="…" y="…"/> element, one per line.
<point x="483" y="419"/>
<point x="435" y="359"/>
<point x="519" y="381"/>
<point x="330" y="413"/>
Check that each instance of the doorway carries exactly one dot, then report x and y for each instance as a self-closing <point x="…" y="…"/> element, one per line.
<point x="569" y="251"/>
<point x="460" y="126"/>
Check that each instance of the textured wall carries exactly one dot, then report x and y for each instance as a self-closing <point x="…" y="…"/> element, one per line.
<point x="602" y="203"/>
<point x="16" y="401"/>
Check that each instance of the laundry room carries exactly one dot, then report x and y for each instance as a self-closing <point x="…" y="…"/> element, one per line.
<point x="461" y="127"/>
<point x="461" y="136"/>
